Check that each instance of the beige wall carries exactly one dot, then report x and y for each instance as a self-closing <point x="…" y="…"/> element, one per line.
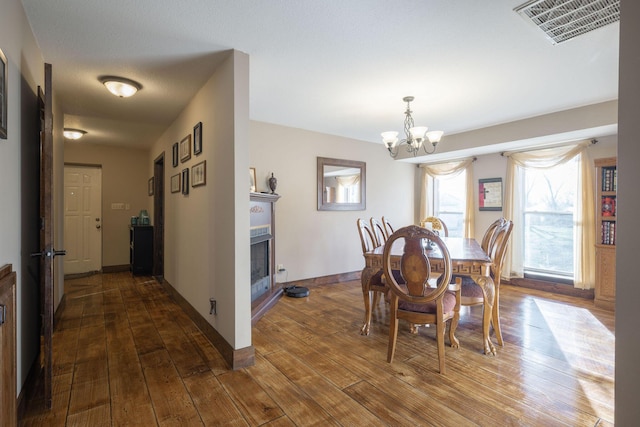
<point x="207" y="231"/>
<point x="627" y="410"/>
<point x="19" y="178"/>
<point x="312" y="243"/>
<point x="124" y="180"/>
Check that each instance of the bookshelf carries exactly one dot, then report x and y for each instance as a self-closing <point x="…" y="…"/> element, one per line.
<point x="606" y="204"/>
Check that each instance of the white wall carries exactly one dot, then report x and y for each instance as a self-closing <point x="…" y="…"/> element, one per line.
<point x="312" y="243"/>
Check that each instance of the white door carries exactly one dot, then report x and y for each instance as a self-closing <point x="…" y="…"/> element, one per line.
<point x="82" y="219"/>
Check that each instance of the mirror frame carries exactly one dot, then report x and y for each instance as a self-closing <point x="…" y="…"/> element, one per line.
<point x="323" y="205"/>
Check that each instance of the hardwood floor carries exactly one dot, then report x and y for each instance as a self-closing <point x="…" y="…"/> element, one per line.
<point x="125" y="354"/>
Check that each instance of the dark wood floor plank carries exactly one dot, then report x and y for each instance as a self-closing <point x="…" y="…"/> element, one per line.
<point x="214" y="405"/>
<point x="332" y="399"/>
<point x="255" y="404"/>
<point x="301" y="408"/>
<point x="99" y="416"/>
<point x="171" y="400"/>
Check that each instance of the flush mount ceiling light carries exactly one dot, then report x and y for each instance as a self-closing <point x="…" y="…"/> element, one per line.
<point x="562" y="20"/>
<point x="120" y="86"/>
<point x="70" y="133"/>
<point x="415" y="136"/>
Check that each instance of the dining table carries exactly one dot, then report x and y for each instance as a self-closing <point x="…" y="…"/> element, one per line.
<point x="467" y="259"/>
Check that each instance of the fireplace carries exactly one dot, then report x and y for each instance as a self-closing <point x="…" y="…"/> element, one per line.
<point x="260" y="272"/>
<point x="264" y="291"/>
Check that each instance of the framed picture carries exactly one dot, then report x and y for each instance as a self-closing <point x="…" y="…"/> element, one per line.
<point x="175" y="183"/>
<point x="490" y="194"/>
<point x="185" y="181"/>
<point x="174" y="152"/>
<point x="199" y="174"/>
<point x="252" y="180"/>
<point x="3" y="95"/>
<point x="197" y="139"/>
<point x="185" y="148"/>
<point x="150" y="186"/>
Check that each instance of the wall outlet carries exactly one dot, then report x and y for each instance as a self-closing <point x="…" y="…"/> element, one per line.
<point x="280" y="267"/>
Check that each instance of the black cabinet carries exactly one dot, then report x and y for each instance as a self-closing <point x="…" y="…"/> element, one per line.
<point x="141" y="249"/>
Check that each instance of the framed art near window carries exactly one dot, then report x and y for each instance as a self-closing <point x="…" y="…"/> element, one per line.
<point x="197" y="139"/>
<point x="490" y="194"/>
<point x="3" y="95"/>
<point x="185" y="148"/>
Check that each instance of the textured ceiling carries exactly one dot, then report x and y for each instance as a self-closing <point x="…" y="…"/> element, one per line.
<point x="339" y="67"/>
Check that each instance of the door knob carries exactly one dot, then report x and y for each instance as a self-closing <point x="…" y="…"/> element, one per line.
<point x="98" y="226"/>
<point x="46" y="253"/>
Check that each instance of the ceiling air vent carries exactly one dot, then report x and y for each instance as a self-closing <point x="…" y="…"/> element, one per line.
<point x="562" y="20"/>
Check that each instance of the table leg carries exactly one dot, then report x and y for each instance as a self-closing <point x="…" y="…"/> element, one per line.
<point x="488" y="293"/>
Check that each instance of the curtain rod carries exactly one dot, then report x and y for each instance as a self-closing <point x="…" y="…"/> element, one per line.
<point x="473" y="159"/>
<point x="592" y="141"/>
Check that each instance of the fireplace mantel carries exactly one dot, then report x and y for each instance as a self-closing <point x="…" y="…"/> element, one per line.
<point x="263" y="233"/>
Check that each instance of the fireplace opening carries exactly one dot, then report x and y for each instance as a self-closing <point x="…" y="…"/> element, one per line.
<point x="260" y="274"/>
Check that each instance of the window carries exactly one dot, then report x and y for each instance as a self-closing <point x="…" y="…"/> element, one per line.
<point x="549" y="207"/>
<point x="449" y="201"/>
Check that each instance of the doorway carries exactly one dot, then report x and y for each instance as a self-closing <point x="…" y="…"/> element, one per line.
<point x="82" y="219"/>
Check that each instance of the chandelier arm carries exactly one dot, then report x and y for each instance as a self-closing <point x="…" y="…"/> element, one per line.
<point x="393" y="153"/>
<point x="424" y="147"/>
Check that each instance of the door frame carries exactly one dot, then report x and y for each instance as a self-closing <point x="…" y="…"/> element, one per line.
<point x="158" y="217"/>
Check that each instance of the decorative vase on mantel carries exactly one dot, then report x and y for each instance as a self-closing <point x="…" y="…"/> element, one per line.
<point x="273" y="183"/>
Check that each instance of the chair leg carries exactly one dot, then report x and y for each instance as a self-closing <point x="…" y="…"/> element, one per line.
<point x="393" y="330"/>
<point x="440" y="339"/>
<point x="496" y="317"/>
<point x="455" y="343"/>
<point x="376" y="299"/>
<point x="366" y="294"/>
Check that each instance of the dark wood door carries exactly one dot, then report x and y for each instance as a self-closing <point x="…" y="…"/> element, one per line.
<point x="46" y="231"/>
<point x="158" y="218"/>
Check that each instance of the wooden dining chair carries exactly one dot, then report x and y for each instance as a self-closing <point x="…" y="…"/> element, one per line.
<point x="437" y="224"/>
<point x="421" y="300"/>
<point x="471" y="293"/>
<point x="373" y="285"/>
<point x="388" y="229"/>
<point x="378" y="231"/>
<point x="490" y="235"/>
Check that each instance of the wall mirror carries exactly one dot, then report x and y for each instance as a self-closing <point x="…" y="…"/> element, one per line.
<point x="341" y="185"/>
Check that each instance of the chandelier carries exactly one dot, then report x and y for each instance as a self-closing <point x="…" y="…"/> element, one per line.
<point x="415" y="136"/>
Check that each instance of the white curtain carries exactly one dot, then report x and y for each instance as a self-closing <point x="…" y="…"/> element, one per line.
<point x="584" y="220"/>
<point x="429" y="172"/>
<point x="347" y="185"/>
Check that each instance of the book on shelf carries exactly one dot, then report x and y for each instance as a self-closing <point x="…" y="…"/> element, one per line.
<point x="608" y="233"/>
<point x="609" y="179"/>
